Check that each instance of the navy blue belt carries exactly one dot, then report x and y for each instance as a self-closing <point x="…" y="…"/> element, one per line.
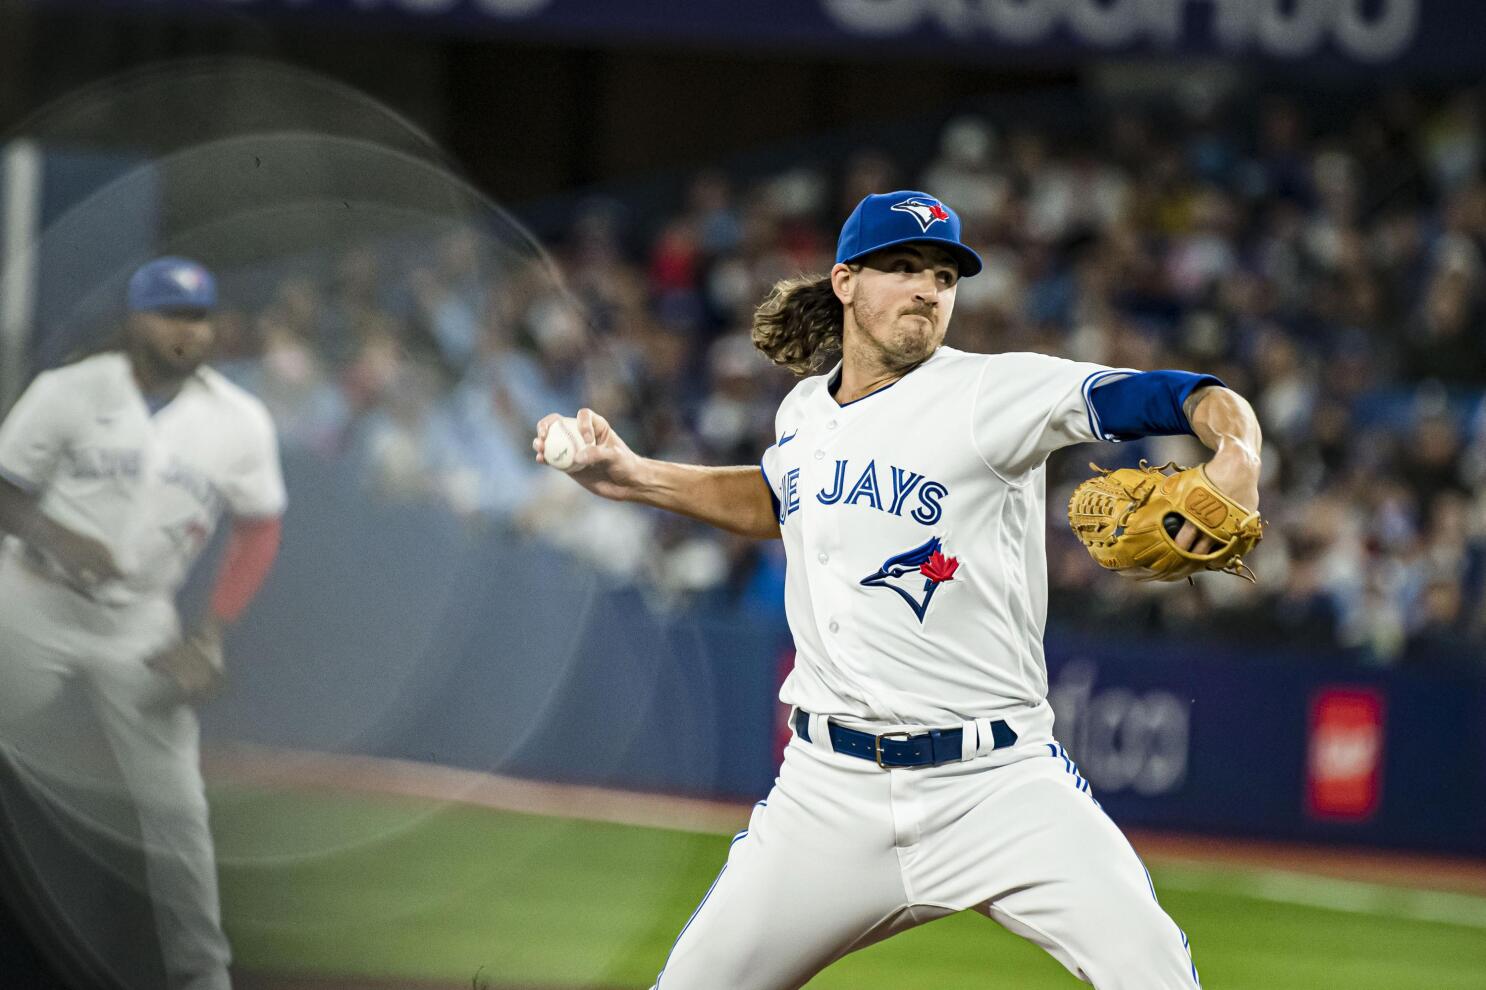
<point x="902" y="749"/>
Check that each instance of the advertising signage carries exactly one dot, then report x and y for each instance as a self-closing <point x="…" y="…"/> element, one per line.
<point x="1362" y="35"/>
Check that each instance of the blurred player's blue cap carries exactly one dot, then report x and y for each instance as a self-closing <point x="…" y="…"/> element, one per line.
<point x="904" y="217"/>
<point x="172" y="285"/>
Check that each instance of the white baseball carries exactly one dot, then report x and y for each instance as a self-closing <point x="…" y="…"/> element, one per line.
<point x="563" y="442"/>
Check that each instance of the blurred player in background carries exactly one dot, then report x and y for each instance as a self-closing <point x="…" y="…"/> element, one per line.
<point x="114" y="472"/>
<point x="907" y="483"/>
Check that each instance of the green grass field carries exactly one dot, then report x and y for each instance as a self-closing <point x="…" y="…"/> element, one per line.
<point x="391" y="888"/>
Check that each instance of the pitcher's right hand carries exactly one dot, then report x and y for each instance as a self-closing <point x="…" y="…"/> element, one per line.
<point x="604" y="465"/>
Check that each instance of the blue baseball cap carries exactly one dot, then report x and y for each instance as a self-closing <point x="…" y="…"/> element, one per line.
<point x="904" y="217"/>
<point x="167" y="284"/>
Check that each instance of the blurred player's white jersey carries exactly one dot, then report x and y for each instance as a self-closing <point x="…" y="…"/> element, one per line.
<point x="913" y="523"/>
<point x="150" y="486"/>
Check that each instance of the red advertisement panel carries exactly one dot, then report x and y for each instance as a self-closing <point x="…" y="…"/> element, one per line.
<point x="1345" y="760"/>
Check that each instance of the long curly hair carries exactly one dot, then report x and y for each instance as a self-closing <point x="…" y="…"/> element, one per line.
<point x="799" y="323"/>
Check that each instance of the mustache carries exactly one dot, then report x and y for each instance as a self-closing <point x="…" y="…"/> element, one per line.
<point x="925" y="311"/>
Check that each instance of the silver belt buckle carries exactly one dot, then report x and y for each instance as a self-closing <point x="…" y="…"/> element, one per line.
<point x="877" y="744"/>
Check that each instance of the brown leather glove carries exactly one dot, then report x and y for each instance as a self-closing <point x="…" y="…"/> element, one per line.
<point x="194" y="664"/>
<point x="1128" y="520"/>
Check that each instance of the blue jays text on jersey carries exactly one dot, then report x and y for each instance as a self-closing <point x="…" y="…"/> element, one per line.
<point x="892" y="489"/>
<point x="98" y="463"/>
<point x="127" y="464"/>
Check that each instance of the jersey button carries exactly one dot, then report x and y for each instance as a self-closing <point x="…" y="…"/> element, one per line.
<point x="834" y="626"/>
<point x="831" y="425"/>
<point x="819" y="454"/>
<point x="822" y="557"/>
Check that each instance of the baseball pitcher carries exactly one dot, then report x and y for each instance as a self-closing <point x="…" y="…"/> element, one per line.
<point x="907" y="482"/>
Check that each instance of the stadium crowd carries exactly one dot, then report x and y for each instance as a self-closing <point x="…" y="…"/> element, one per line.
<point x="1331" y="267"/>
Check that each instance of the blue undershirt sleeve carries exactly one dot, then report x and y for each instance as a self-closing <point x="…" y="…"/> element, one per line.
<point x="1147" y="404"/>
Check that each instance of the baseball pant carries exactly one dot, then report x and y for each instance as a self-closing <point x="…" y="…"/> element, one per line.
<point x="843" y="854"/>
<point x="50" y="637"/>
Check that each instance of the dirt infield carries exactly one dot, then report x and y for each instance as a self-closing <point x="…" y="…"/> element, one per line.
<point x="321" y="772"/>
<point x="374" y="775"/>
<point x="1457" y="874"/>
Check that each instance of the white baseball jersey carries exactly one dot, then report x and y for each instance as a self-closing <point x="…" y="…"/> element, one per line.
<point x="913" y="522"/>
<point x="150" y="486"/>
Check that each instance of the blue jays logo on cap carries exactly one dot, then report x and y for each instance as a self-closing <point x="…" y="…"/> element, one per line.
<point x="172" y="284"/>
<point x="926" y="211"/>
<point x="887" y="220"/>
<point x="927" y="561"/>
